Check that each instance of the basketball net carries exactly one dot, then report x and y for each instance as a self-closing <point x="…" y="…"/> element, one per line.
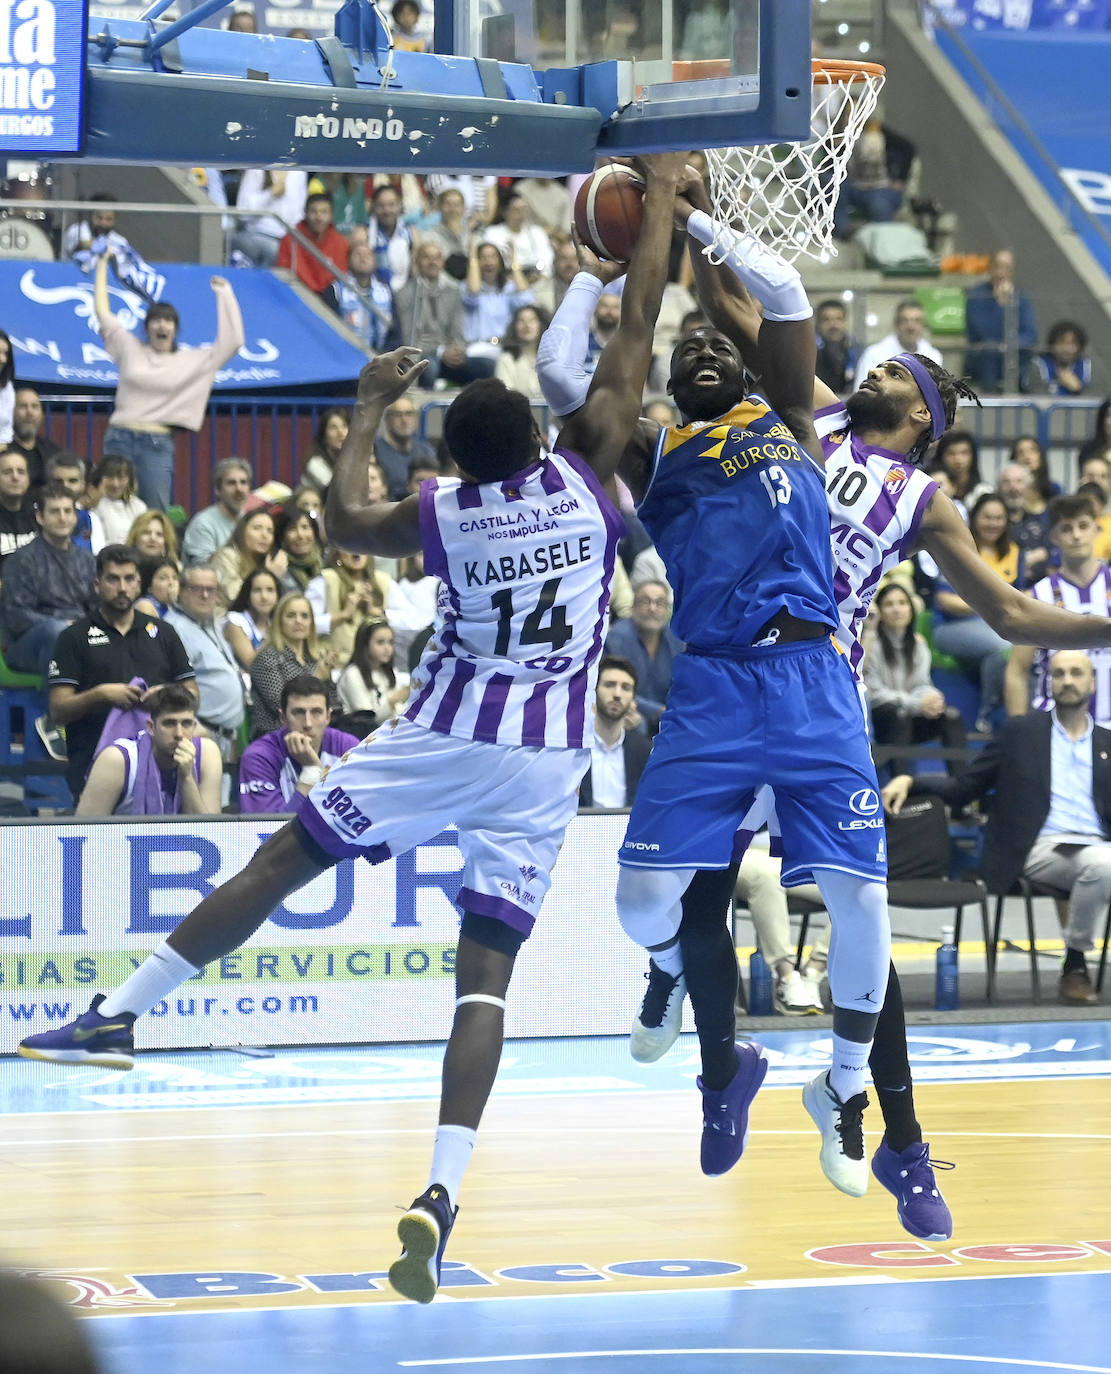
<point x="785" y="193"/>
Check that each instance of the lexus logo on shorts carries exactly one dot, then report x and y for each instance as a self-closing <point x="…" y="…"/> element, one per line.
<point x="865" y="802"/>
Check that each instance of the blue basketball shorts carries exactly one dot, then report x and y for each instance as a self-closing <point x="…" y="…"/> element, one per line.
<point x="786" y="717"/>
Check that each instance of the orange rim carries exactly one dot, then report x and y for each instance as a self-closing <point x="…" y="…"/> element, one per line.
<point x="827" y="72"/>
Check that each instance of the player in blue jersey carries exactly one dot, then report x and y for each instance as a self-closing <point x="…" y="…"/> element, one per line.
<point x="736" y="506"/>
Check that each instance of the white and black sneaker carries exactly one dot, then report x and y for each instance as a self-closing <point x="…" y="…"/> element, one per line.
<point x="657" y="1024"/>
<point x="842" y="1128"/>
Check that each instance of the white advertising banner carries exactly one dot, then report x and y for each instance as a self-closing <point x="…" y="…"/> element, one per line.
<point x="361" y="955"/>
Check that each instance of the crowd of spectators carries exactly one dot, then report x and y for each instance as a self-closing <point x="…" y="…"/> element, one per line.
<point x="286" y="647"/>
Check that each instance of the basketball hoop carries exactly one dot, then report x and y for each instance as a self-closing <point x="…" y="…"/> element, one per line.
<point x="785" y="193"/>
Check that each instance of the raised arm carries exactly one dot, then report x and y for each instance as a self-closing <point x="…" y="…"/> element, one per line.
<point x="101" y="306"/>
<point x="565" y="344"/>
<point x="601" y="430"/>
<point x="389" y="529"/>
<point x="1010" y="613"/>
<point x="230" y="337"/>
<point x="728" y="303"/>
<point x="785" y="346"/>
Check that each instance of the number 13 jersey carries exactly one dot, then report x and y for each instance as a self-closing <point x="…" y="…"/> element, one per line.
<point x="877" y="499"/>
<point x="525" y="567"/>
<point x="737" y="511"/>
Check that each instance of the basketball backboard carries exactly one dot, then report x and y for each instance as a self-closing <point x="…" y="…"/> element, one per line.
<point x="690" y="73"/>
<point x="538" y="87"/>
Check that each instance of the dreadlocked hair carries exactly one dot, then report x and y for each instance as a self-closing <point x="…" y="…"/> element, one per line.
<point x="953" y="390"/>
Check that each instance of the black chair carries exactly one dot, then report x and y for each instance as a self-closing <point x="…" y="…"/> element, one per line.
<point x="1028" y="890"/>
<point x="918" y="859"/>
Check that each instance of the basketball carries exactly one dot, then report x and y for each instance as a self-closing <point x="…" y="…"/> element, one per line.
<point x="609" y="209"/>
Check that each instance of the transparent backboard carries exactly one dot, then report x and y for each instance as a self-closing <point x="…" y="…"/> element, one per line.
<point x="739" y="68"/>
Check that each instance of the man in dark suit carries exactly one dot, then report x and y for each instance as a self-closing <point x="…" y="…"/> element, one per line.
<point x="1049" y="778"/>
<point x="618" y="754"/>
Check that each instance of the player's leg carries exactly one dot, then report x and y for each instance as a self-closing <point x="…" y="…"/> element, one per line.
<point x="483" y="967"/>
<point x="827" y="800"/>
<point x="406" y="764"/>
<point x="731" y="1072"/>
<point x="902" y="1162"/>
<point x="227" y="917"/>
<point x="513" y="807"/>
<point x="689" y="803"/>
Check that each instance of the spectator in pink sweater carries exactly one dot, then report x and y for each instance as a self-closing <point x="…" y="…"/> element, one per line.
<point x="161" y="387"/>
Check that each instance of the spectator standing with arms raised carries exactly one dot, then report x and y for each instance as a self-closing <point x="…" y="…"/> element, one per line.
<point x="161" y="386"/>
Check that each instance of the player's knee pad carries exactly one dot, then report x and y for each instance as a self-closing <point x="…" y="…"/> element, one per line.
<point x="649" y="903"/>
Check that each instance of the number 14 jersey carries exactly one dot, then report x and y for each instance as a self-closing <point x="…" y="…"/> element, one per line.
<point x="525" y="567"/>
<point x="876" y="502"/>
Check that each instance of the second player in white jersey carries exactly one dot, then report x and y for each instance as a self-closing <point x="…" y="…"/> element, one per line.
<point x="525" y="567"/>
<point x="1093" y="598"/>
<point x="877" y="499"/>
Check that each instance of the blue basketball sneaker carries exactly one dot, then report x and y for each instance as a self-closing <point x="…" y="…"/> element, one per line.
<point x="910" y="1177"/>
<point x="107" y="1041"/>
<point x="725" y="1113"/>
<point x="423" y="1231"/>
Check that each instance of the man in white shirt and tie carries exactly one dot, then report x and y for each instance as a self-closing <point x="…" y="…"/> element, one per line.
<point x="618" y="754"/>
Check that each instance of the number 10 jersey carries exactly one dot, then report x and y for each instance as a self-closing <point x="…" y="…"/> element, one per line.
<point x="877" y="499"/>
<point x="525" y="567"/>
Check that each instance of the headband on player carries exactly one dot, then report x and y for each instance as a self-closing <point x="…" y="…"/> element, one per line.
<point x="930" y="393"/>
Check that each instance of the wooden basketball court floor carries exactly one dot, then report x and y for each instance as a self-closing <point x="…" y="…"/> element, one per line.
<point x="213" y="1212"/>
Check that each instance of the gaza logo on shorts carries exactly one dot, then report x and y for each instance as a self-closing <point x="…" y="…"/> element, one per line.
<point x="345" y="811"/>
<point x="865" y="805"/>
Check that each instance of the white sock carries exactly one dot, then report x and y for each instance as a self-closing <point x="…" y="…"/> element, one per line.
<point x="450" y="1156"/>
<point x="155" y="978"/>
<point x="669" y="959"/>
<point x="848" y="1074"/>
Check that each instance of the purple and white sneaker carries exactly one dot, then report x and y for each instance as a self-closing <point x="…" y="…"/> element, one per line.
<point x="909" y="1176"/>
<point x="725" y="1113"/>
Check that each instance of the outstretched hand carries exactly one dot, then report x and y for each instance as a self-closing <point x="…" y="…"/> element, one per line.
<point x="590" y="262"/>
<point x="386" y="377"/>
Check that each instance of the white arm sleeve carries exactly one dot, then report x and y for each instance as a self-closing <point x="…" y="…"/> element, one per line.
<point x="775" y="283"/>
<point x="561" y="357"/>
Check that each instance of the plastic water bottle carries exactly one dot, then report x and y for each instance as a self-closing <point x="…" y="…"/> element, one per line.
<point x="759" y="985"/>
<point x="947" y="996"/>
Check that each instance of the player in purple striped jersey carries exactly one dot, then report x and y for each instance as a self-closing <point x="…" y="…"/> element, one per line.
<point x="496" y="737"/>
<point x="1081" y="584"/>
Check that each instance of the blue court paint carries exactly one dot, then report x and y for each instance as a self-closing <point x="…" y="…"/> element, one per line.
<point x="182" y="1079"/>
<point x="1056" y="1322"/>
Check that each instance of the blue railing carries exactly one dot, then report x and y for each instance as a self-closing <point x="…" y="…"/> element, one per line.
<point x="275" y="433"/>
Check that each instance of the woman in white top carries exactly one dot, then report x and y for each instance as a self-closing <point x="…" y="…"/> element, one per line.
<point x="282" y="194"/>
<point x="117" y="506"/>
<point x="251" y="547"/>
<point x="248" y="622"/>
<point x="516" y="365"/>
<point x="370" y="682"/>
<point x="410" y="606"/>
